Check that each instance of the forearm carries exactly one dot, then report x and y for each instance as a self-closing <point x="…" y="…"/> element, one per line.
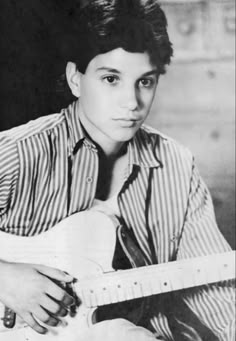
<point x="212" y="304"/>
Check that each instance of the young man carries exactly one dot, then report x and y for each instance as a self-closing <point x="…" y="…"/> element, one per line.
<point x="97" y="151"/>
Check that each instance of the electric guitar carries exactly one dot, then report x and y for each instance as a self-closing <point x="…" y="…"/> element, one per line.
<point x="83" y="245"/>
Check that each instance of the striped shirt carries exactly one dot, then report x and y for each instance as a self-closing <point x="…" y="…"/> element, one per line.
<point x="49" y="170"/>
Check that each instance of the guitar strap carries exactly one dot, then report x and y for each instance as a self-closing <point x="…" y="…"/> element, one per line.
<point x="127" y="251"/>
<point x="129" y="255"/>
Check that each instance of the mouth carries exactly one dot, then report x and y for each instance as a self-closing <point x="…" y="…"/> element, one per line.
<point x="124" y="122"/>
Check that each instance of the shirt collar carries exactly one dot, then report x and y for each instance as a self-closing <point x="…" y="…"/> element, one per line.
<point x="75" y="129"/>
<point x="143" y="152"/>
<point x="141" y="149"/>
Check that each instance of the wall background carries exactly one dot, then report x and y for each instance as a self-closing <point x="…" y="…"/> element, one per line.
<point x="195" y="101"/>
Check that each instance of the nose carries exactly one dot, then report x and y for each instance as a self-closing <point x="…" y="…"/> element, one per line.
<point x="129" y="98"/>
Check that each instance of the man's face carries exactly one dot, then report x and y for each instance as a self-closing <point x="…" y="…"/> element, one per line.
<point x="116" y="94"/>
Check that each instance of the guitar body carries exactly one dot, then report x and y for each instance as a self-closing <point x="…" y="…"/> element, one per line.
<point x="82" y="245"/>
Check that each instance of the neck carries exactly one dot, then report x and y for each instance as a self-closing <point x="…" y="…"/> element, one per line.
<point x="111" y="151"/>
<point x="112" y="170"/>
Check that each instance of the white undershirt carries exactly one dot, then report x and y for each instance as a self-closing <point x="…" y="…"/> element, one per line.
<point x="109" y="207"/>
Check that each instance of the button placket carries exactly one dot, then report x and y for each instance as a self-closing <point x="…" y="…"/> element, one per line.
<point x="84" y="170"/>
<point x="92" y="172"/>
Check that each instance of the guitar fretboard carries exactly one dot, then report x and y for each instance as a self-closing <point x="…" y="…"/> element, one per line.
<point x="129" y="284"/>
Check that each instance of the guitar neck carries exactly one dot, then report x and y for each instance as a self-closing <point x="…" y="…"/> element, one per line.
<point x="129" y="284"/>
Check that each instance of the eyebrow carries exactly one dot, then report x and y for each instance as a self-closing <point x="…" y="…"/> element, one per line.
<point x="109" y="69"/>
<point x="112" y="70"/>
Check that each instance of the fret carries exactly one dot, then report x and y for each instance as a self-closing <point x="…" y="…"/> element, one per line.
<point x="113" y="294"/>
<point x="199" y="276"/>
<point x="187" y="280"/>
<point x="153" y="287"/>
<point x="93" y="298"/>
<point x="136" y="289"/>
<point x="120" y="292"/>
<point x="126" y="292"/>
<point x="226" y="269"/>
<point x="165" y="285"/>
<point x="129" y="292"/>
<point x="145" y="287"/>
<point x="99" y="297"/>
<point x="85" y="297"/>
<point x="211" y="275"/>
<point x="176" y="279"/>
<point x="106" y="295"/>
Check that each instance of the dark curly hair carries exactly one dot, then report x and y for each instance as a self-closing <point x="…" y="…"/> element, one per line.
<point x="103" y="25"/>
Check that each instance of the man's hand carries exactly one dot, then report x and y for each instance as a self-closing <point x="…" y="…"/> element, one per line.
<point x="30" y="290"/>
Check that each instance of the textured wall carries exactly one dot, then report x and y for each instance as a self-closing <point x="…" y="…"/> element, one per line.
<point x="195" y="102"/>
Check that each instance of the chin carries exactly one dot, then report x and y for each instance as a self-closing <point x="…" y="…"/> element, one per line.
<point x="124" y="137"/>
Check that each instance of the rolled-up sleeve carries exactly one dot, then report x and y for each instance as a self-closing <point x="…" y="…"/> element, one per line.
<point x="212" y="304"/>
<point x="9" y="170"/>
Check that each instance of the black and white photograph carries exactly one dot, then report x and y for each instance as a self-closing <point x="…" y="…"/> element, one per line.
<point x="117" y="170"/>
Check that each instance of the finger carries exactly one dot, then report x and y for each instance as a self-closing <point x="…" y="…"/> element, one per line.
<point x="62" y="312"/>
<point x="68" y="300"/>
<point x="59" y="294"/>
<point x="44" y="316"/>
<point x="56" y="274"/>
<point x="53" y="308"/>
<point x="49" y="304"/>
<point x="31" y="321"/>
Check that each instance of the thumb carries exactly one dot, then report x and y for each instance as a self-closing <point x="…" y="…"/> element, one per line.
<point x="54" y="273"/>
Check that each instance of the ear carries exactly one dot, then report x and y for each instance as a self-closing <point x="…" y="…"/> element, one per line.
<point x="73" y="78"/>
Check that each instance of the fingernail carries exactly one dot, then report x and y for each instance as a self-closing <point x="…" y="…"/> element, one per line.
<point x="63" y="323"/>
<point x="69" y="277"/>
<point x="72" y="302"/>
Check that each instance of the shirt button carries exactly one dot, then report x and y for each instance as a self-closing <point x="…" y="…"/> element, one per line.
<point x="89" y="180"/>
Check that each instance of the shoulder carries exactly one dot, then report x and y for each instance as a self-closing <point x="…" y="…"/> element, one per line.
<point x="165" y="147"/>
<point x="20" y="142"/>
<point x="32" y="128"/>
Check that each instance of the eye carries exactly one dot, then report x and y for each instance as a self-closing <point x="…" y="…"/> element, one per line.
<point x="111" y="79"/>
<point x="147" y="82"/>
